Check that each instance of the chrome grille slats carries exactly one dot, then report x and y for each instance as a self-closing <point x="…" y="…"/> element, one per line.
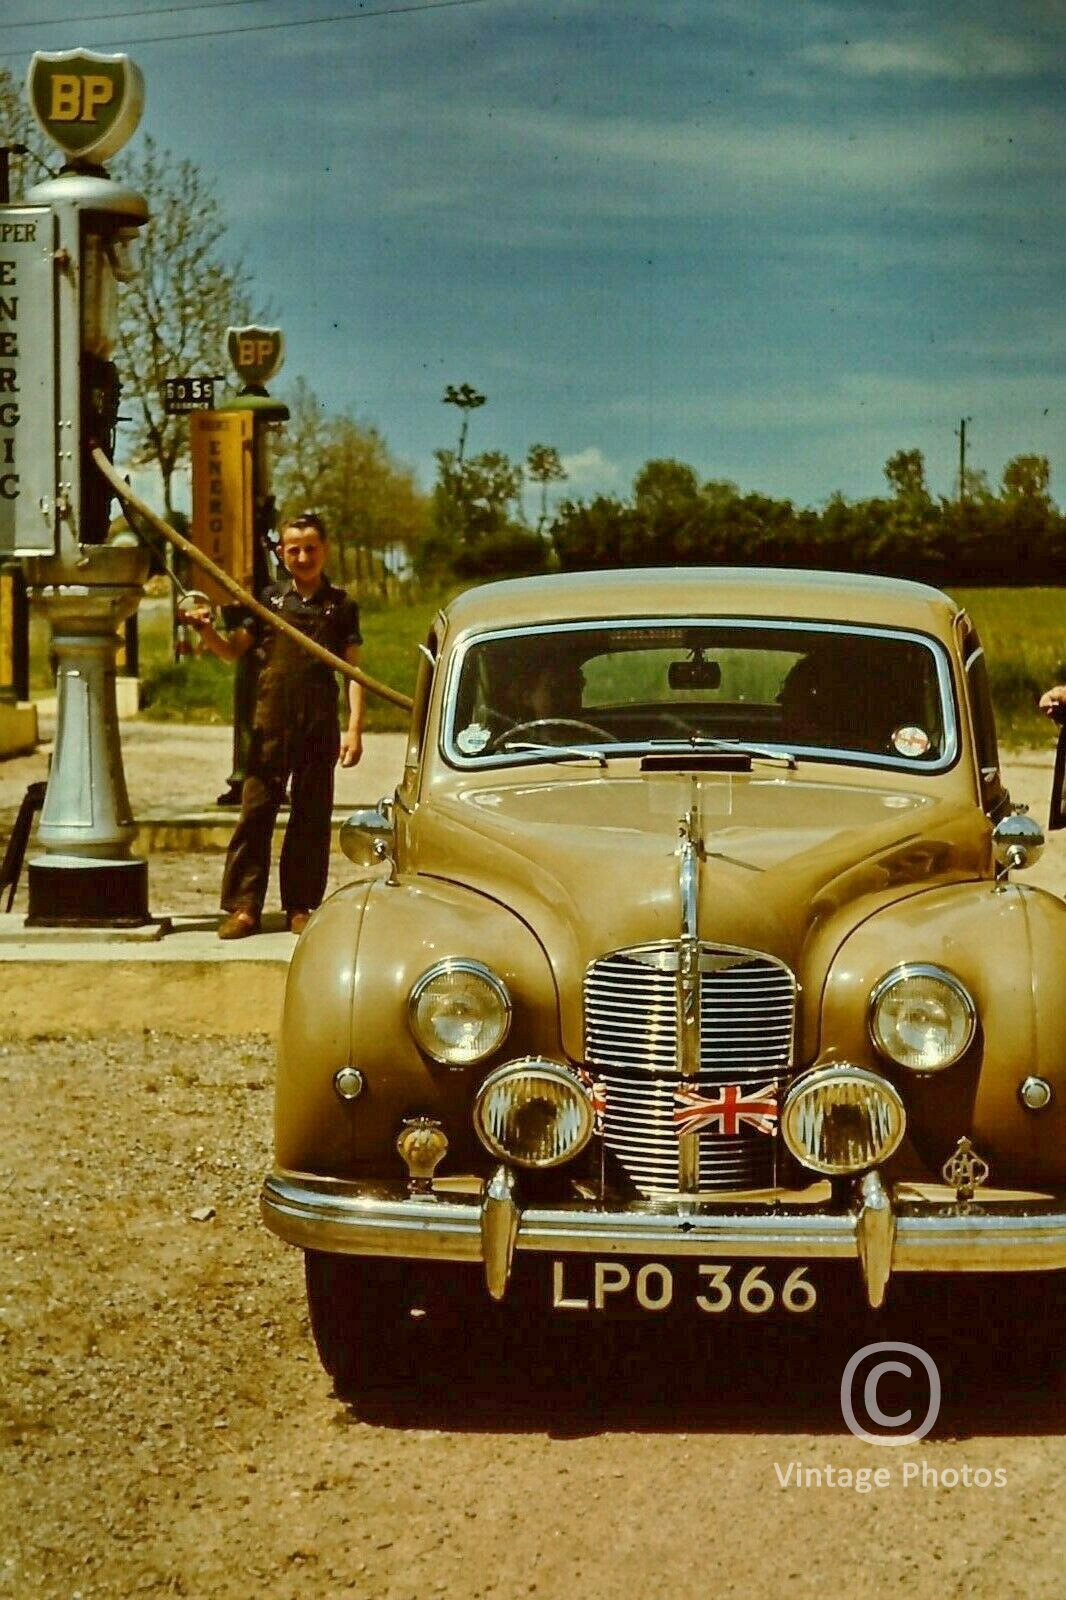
<point x="747" y="1021"/>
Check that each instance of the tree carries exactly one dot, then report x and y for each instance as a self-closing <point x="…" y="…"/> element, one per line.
<point x="301" y="450"/>
<point x="175" y="312"/>
<point x="467" y="398"/>
<point x="719" y="492"/>
<point x="975" y="485"/>
<point x="344" y="469"/>
<point x="18" y="128"/>
<point x="1027" y="478"/>
<point x="905" y="472"/>
<point x="544" y="466"/>
<point x="474" y="499"/>
<point x="665" y="484"/>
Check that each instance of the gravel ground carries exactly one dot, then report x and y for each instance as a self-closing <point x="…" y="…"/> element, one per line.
<point x="165" y="1428"/>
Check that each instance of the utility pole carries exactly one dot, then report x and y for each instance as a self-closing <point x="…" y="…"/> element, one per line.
<point x="961" y="431"/>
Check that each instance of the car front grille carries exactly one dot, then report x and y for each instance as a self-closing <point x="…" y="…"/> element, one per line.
<point x="747" y="1007"/>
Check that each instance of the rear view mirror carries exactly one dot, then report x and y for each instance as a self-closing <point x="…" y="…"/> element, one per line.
<point x="694" y="674"/>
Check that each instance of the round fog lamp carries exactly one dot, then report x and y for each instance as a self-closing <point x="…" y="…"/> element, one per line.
<point x="922" y="1018"/>
<point x="842" y="1119"/>
<point x="534" y="1113"/>
<point x="459" y="1012"/>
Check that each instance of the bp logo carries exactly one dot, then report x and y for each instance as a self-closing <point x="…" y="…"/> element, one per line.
<point x="89" y="105"/>
<point x="256" y="353"/>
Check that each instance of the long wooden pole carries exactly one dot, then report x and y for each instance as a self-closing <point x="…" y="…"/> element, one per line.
<point x="223" y="579"/>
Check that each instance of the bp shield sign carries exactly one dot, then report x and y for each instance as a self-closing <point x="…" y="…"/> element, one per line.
<point x="256" y="353"/>
<point x="87" y="104"/>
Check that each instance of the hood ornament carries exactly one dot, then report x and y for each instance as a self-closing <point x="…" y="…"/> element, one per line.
<point x="691" y="852"/>
<point x="964" y="1170"/>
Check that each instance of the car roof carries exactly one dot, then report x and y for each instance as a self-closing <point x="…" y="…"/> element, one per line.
<point x="792" y="593"/>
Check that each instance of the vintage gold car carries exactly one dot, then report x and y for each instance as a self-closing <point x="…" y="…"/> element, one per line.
<point x="684" y="969"/>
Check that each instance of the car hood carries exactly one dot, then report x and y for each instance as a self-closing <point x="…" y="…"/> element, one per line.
<point x="591" y="863"/>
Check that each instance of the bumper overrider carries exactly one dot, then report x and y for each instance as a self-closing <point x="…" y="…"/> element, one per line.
<point x="881" y="1231"/>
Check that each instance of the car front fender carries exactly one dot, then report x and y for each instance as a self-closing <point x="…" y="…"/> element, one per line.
<point x="1007" y="945"/>
<point x="346" y="1005"/>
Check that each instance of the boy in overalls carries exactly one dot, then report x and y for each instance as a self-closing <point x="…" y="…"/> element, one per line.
<point x="295" y="735"/>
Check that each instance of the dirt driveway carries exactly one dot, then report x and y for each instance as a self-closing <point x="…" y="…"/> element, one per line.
<point x="165" y="1428"/>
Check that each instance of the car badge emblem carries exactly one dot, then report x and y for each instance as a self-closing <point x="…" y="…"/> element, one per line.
<point x="964" y="1170"/>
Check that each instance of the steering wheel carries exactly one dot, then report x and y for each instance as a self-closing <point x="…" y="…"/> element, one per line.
<point x="521" y="728"/>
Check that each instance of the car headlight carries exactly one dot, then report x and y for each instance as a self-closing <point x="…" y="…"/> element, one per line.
<point x="922" y="1018"/>
<point x="459" y="1012"/>
<point x="534" y="1113"/>
<point x="842" y="1119"/>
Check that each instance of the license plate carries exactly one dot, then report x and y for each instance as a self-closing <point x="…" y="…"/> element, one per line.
<point x="710" y="1288"/>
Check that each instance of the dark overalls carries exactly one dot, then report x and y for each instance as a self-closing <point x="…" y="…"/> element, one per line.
<point x="295" y="734"/>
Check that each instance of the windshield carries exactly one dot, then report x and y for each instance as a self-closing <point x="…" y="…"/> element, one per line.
<point x="874" y="696"/>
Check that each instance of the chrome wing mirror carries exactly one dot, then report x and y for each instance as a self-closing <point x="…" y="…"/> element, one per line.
<point x="367" y="836"/>
<point x="1017" y="841"/>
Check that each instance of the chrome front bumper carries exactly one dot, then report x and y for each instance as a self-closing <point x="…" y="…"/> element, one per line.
<point x="881" y="1232"/>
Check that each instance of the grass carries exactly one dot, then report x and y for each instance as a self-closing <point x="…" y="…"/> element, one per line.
<point x="200" y="687"/>
<point x="1024" y="635"/>
<point x="1023" y="632"/>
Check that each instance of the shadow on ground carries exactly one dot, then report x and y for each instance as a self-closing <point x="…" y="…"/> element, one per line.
<point x="998" y="1368"/>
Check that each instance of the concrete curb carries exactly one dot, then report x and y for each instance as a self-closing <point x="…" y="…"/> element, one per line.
<point x="187" y="981"/>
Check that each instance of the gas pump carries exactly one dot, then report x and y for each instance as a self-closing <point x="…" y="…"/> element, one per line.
<point x="85" y="228"/>
<point x="256" y="355"/>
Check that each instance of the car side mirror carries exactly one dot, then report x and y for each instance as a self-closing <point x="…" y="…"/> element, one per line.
<point x="366" y="836"/>
<point x="1017" y="841"/>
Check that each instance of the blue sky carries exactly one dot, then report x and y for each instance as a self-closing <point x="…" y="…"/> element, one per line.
<point x="778" y="240"/>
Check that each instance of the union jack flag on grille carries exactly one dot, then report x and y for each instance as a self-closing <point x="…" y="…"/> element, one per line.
<point x="725" y="1109"/>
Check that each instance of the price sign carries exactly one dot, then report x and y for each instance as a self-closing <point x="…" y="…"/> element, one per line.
<point x="181" y="395"/>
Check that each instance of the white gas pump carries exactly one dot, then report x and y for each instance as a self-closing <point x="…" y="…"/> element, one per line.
<point x="89" y="105"/>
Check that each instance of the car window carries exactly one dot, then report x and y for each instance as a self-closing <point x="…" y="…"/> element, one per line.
<point x="826" y="690"/>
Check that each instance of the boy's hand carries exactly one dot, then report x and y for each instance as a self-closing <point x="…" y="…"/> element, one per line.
<point x="198" y="617"/>
<point x="351" y="747"/>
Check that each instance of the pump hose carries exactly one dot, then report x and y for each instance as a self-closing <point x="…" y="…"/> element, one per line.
<point x="223" y="579"/>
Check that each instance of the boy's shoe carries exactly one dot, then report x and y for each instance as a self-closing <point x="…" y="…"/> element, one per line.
<point x="238" y="925"/>
<point x="297" y="921"/>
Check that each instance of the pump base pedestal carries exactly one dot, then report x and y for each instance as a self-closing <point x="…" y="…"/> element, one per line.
<point x="78" y="892"/>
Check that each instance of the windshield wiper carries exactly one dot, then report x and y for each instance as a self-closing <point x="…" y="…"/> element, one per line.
<point x="732" y="747"/>
<point x="557" y="751"/>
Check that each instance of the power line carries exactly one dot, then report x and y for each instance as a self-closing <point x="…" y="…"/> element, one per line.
<point x="271" y="27"/>
<point x="124" y="16"/>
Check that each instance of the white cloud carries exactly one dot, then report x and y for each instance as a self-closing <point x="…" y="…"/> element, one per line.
<point x="967" y="55"/>
<point x="727" y="159"/>
<point x="589" y="471"/>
